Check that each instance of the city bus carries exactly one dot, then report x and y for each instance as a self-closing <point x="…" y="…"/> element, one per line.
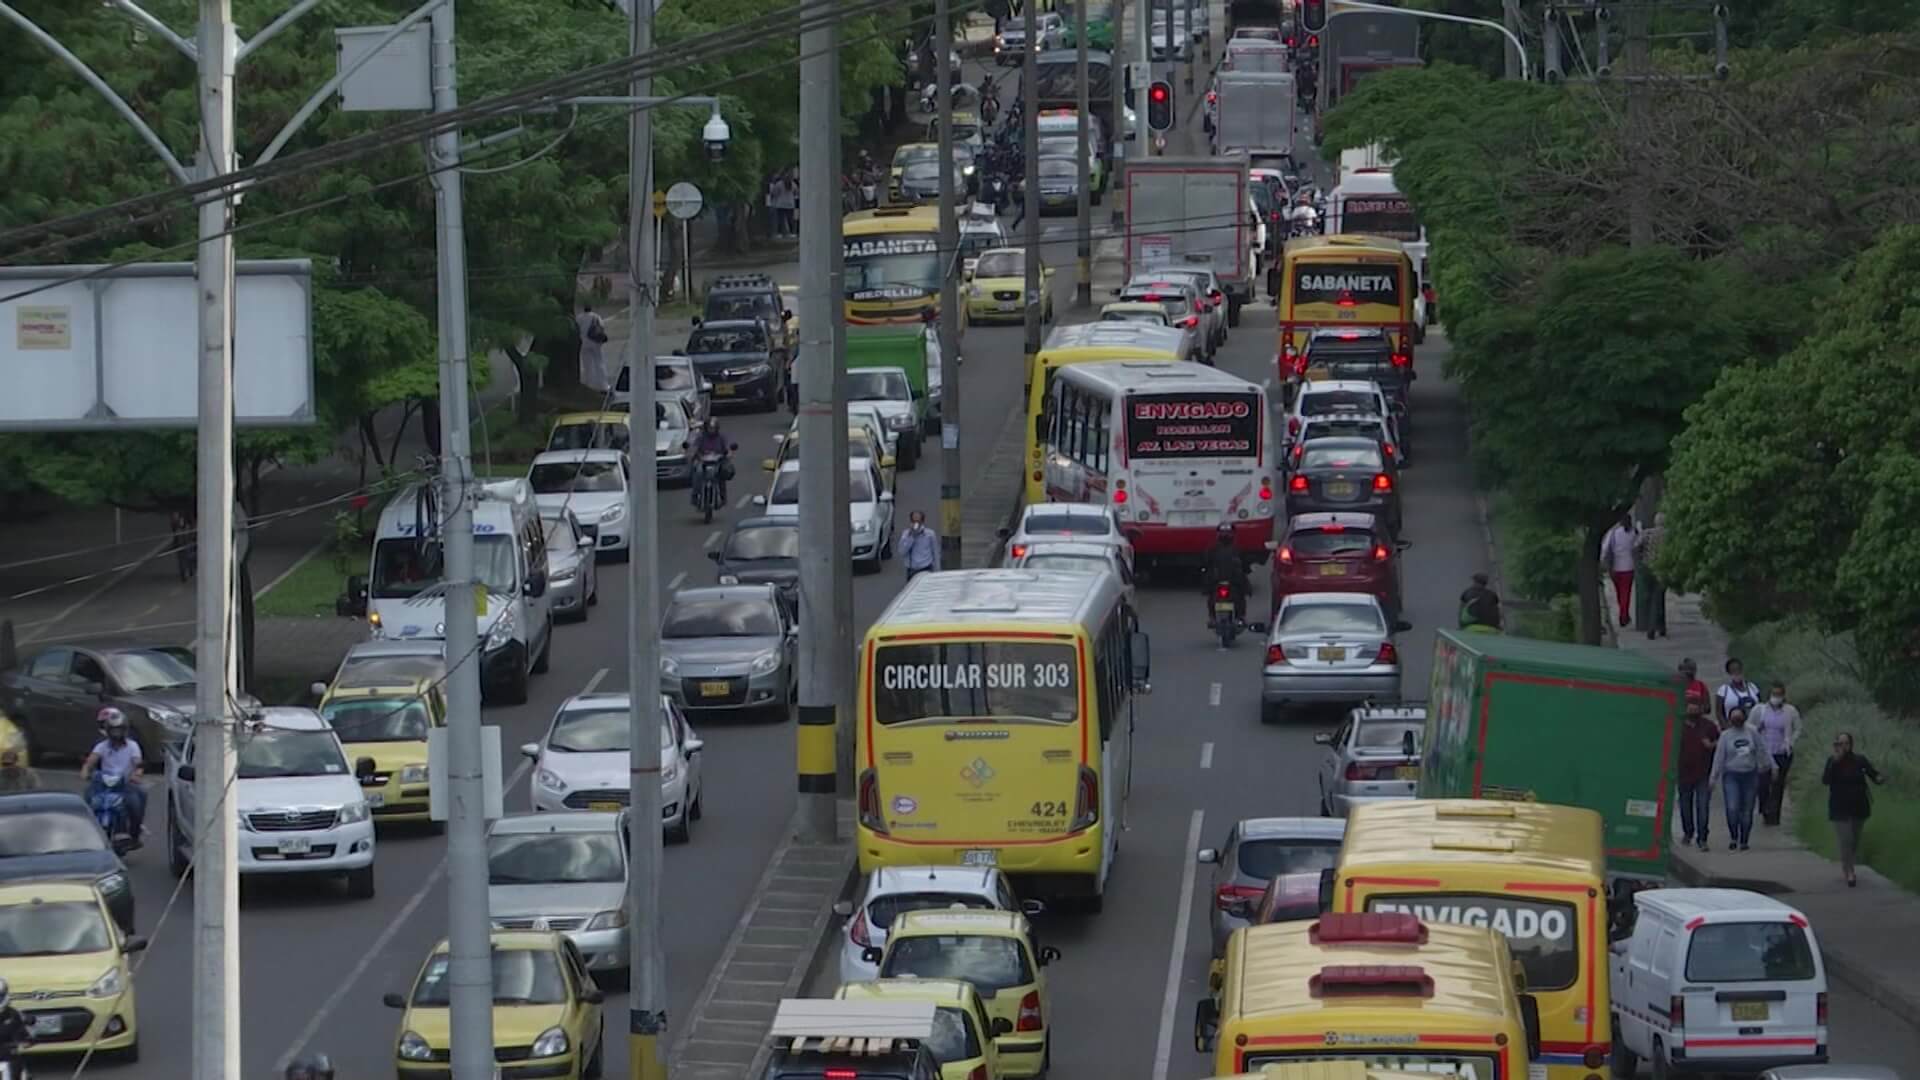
<point x="1084" y="343"/>
<point x="995" y="727"/>
<point x="1532" y="871"/>
<point x="893" y="265"/>
<point x="1177" y="450"/>
<point x="1344" y="280"/>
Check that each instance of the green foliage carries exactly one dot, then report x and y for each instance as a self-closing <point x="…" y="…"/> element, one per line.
<point x="1537" y="560"/>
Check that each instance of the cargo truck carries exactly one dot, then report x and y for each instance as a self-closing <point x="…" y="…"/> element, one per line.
<point x="1193" y="212"/>
<point x="1255" y="116"/>
<point x="914" y="349"/>
<point x="1578" y="725"/>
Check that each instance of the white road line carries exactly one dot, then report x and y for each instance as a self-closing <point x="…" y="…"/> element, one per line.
<point x="742" y="500"/>
<point x="1213" y="695"/>
<point x="1266" y="383"/>
<point x="678" y="579"/>
<point x="713" y="538"/>
<point x="1183" y="919"/>
<point x="594" y="683"/>
<point x="1206" y="755"/>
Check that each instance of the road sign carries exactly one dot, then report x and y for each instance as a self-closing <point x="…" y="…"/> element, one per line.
<point x="684" y="201"/>
<point x="659" y="204"/>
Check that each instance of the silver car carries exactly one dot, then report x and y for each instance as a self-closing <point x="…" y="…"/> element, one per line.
<point x="728" y="647"/>
<point x="1329" y="648"/>
<point x="564" y="872"/>
<point x="582" y="763"/>
<point x="573" y="586"/>
<point x="1212" y="297"/>
<point x="1256" y="851"/>
<point x="1072" y="557"/>
<point x="1374" y="755"/>
<point x="674" y="377"/>
<point x="1082" y="523"/>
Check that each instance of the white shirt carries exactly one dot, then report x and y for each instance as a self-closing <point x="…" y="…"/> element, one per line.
<point x="1617" y="549"/>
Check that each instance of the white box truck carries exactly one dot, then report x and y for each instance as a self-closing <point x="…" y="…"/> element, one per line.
<point x="1255" y="115"/>
<point x="1193" y="212"/>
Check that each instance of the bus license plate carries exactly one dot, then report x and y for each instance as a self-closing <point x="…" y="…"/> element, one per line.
<point x="1340" y="490"/>
<point x="980" y="857"/>
<point x="1332" y="654"/>
<point x="295" y="845"/>
<point x="1749" y="1011"/>
<point x="715" y="689"/>
<point x="1332" y="570"/>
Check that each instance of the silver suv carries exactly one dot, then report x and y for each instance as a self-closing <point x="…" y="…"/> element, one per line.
<point x="1255" y="852"/>
<point x="1372" y="756"/>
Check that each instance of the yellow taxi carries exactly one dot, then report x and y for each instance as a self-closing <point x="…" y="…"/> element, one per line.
<point x="13" y="745"/>
<point x="860" y="445"/>
<point x="997" y="292"/>
<point x="604" y="430"/>
<point x="65" y="963"/>
<point x="546" y="1012"/>
<point x="962" y="1031"/>
<point x="387" y="721"/>
<point x="996" y="952"/>
<point x="1329" y="1070"/>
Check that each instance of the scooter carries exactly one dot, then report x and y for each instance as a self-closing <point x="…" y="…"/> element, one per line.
<point x="709" y="487"/>
<point x="109" y="806"/>
<point x="1226" y="620"/>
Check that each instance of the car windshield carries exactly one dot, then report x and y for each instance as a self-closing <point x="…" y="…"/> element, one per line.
<point x="1331" y="543"/>
<point x="1268" y="859"/>
<point x="389" y="670"/>
<point x="922" y="172"/>
<point x="145" y="669"/>
<point x="1390" y="735"/>
<point x="1332" y="401"/>
<point x="1264" y="199"/>
<point x="720" y="616"/>
<point x="48" y="832"/>
<point x="912" y="155"/>
<point x="953" y="1038"/>
<point x="403" y="567"/>
<point x="269" y="752"/>
<point x="877" y="386"/>
<point x="1001" y="264"/>
<point x="763" y="542"/>
<point x="593" y="435"/>
<point x="555" y="858"/>
<point x="597" y="731"/>
<point x="520" y="977"/>
<point x="560" y="477"/>
<point x="882" y="910"/>
<point x="1059" y="167"/>
<point x="973" y="243"/>
<point x="1085" y="524"/>
<point x="1338" y="456"/>
<point x="1156" y="318"/>
<point x="1358" y="428"/>
<point x="1348" y="365"/>
<point x="1311" y="618"/>
<point x="725" y="339"/>
<point x="674" y="377"/>
<point x="990" y="963"/>
<point x="1067" y="564"/>
<point x="1051" y="146"/>
<point x="1749" y="952"/>
<point x="741" y="306"/>
<point x="378" y="720"/>
<point x="53" y="928"/>
<point x="1151" y="296"/>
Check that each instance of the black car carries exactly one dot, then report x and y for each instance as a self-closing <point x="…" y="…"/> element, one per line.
<point x="56" y="695"/>
<point x="52" y="836"/>
<point x="1332" y="475"/>
<point x="752" y="296"/>
<point x="1365" y="354"/>
<point x="737" y="357"/>
<point x="761" y="551"/>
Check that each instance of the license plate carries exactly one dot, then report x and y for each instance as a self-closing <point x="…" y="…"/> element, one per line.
<point x="1332" y="654"/>
<point x="1192" y="519"/>
<point x="604" y="806"/>
<point x="1009" y="305"/>
<point x="376" y="799"/>
<point x="980" y="857"/>
<point x="1332" y="570"/>
<point x="1224" y="607"/>
<point x="295" y="845"/>
<point x="1749" y="1011"/>
<point x="715" y="689"/>
<point x="46" y="1025"/>
<point x="723" y="389"/>
<point x="1407" y="772"/>
<point x="1340" y="490"/>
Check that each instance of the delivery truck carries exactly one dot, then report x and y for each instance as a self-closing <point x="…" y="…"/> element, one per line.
<point x="1577" y="725"/>
<point x="1193" y="212"/>
<point x="1255" y="116"/>
<point x="914" y="348"/>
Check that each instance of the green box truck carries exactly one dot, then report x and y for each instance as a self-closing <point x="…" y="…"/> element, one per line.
<point x="914" y="349"/>
<point x="1577" y="725"/>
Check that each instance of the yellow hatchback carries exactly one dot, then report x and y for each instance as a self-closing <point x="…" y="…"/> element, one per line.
<point x="993" y="950"/>
<point x="997" y="292"/>
<point x="546" y="1012"/>
<point x="65" y="963"/>
<point x="387" y="723"/>
<point x="962" y="1031"/>
<point x="860" y="444"/>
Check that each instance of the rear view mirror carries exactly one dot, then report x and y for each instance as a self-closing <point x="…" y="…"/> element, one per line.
<point x="1324" y="738"/>
<point x="183" y="772"/>
<point x="870" y="954"/>
<point x="1142" y="649"/>
<point x="365" y="769"/>
<point x="318" y="690"/>
<point x="1401" y="626"/>
<point x="1530" y="1016"/>
<point x="1033" y="907"/>
<point x="593" y="995"/>
<point x="1407" y="749"/>
<point x="1206" y="1025"/>
<point x="1402" y="545"/>
<point x="1207" y="856"/>
<point x="1273" y="545"/>
<point x="769" y="464"/>
<point x="393" y="1001"/>
<point x="1002" y="1026"/>
<point x="759" y="500"/>
<point x="1256" y="627"/>
<point x="843" y="908"/>
<point x="1048" y="954"/>
<point x="530" y="750"/>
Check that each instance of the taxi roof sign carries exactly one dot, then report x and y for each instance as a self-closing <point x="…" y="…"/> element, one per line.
<point x="824" y="1018"/>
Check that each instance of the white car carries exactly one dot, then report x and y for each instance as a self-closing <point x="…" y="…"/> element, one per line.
<point x="301" y="809"/>
<point x="581" y="763"/>
<point x="1334" y="397"/>
<point x="1086" y="523"/>
<point x="592" y="484"/>
<point x="869" y="415"/>
<point x="1074" y="557"/>
<point x="1212" y="297"/>
<point x="869" y="505"/>
<point x="1187" y="305"/>
<point x="890" y="892"/>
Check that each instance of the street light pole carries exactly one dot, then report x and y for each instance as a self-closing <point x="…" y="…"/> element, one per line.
<point x="1083" y="206"/>
<point x="951" y="264"/>
<point x="1030" y="142"/>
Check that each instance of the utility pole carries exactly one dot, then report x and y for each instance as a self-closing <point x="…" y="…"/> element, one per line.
<point x="844" y="632"/>
<point x="821" y="411"/>
<point x="1118" y="133"/>
<point x="469" y="930"/>
<point x="950" y="495"/>
<point x="1510" y="17"/>
<point x="1639" y="73"/>
<point x="647" y="1004"/>
<point x="1143" y="29"/>
<point x="216" y="881"/>
<point x="1030" y="145"/>
<point x="1083" y="207"/>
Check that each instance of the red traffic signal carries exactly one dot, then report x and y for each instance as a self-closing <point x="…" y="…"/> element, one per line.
<point x="1313" y="41"/>
<point x="1160" y="106"/>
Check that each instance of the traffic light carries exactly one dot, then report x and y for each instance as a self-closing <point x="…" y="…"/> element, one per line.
<point x="1160" y="106"/>
<point x="1313" y="15"/>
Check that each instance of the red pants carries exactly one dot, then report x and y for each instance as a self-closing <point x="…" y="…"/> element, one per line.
<point x="1623" y="593"/>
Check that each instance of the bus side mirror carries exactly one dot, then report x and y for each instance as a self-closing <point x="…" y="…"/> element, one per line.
<point x="1206" y="1025"/>
<point x="1328" y="879"/>
<point x="1530" y="1016"/>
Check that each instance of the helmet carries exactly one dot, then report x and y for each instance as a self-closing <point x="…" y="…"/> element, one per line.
<point x="112" y="719"/>
<point x="310" y="1067"/>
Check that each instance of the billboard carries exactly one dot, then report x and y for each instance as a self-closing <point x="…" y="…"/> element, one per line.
<point x="86" y="348"/>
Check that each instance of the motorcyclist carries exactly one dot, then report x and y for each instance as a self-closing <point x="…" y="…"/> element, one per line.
<point x="708" y="442"/>
<point x="1224" y="564"/>
<point x="15" y="1033"/>
<point x="116" y="755"/>
<point x="310" y="1067"/>
<point x="1303" y="218"/>
<point x="1479" y="605"/>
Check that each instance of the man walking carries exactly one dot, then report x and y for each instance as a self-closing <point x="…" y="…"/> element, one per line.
<point x="593" y="362"/>
<point x="1697" y="741"/>
<point x="1653" y="595"/>
<point x="1738" y="763"/>
<point x="1616" y="556"/>
<point x="1779" y="726"/>
<point x="919" y="546"/>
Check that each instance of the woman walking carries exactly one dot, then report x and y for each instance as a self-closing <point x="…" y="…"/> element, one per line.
<point x="1738" y="762"/>
<point x="1651" y="594"/>
<point x="1848" y="801"/>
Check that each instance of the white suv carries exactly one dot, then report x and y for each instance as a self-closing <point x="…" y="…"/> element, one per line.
<point x="298" y="799"/>
<point x="892" y="891"/>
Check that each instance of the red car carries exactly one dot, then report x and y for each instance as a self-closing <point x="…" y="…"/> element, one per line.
<point x="1338" y="552"/>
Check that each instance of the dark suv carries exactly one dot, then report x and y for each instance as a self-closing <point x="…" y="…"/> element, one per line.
<point x="753" y="296"/>
<point x="737" y="357"/>
<point x="1365" y="353"/>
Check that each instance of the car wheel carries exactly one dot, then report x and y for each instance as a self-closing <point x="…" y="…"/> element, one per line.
<point x="514" y="690"/>
<point x="1662" y="1070"/>
<point x="360" y="883"/>
<point x="593" y="592"/>
<point x="699" y="808"/>
<point x="681" y="831"/>
<point x="545" y="660"/>
<point x="130" y="1054"/>
<point x="597" y="1064"/>
<point x="177" y="862"/>
<point x="1326" y="808"/>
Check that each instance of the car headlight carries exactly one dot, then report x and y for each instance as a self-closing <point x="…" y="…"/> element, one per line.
<point x="976" y="291"/>
<point x="564" y="577"/>
<point x="725" y="579"/>
<point x="353" y="813"/>
<point x="172" y="719"/>
<point x="765" y="663"/>
<point x="613" y="513"/>
<point x="241" y="822"/>
<point x="413" y="774"/>
<point x="414" y="1048"/>
<point x="115" y="882"/>
<point x="548" y="779"/>
<point x="501" y="631"/>
<point x="754" y="371"/>
<point x="900" y="423"/>
<point x="373" y="624"/>
<point x="863" y="526"/>
<point x="669" y="772"/>
<point x="968" y="171"/>
<point x="552" y="1043"/>
<point x="608" y="920"/>
<point x="669" y="666"/>
<point x="108" y="985"/>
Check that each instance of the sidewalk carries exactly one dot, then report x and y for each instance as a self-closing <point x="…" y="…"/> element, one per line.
<point x="1870" y="935"/>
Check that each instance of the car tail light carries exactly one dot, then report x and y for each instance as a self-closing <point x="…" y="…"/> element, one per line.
<point x="1217" y="295"/>
<point x="1299" y="451"/>
<point x="858" y="931"/>
<point x="1266" y="490"/>
<point x="1276" y="655"/>
<point x="1677" y="1012"/>
<point x="1379" y="553"/>
<point x="1293" y="425"/>
<point x="842" y="1074"/>
<point x="1192" y="321"/>
<point x="1297" y="484"/>
<point x="1029" y="1012"/>
<point x="1019" y="551"/>
<point x="1153" y="298"/>
<point x="1357" y="771"/>
<point x="1225" y="895"/>
<point x="1820" y="1008"/>
<point x="1284" y="556"/>
<point x="1382" y="482"/>
<point x="1119" y="496"/>
<point x="870" y="815"/>
<point x="1274" y="216"/>
<point x="1224" y="592"/>
<point x="979" y="1073"/>
<point x="1212" y="97"/>
<point x="1388" y="654"/>
<point x="1389" y="449"/>
<point x="1401" y="359"/>
<point x="1086" y="805"/>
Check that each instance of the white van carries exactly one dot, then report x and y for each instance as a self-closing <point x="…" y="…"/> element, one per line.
<point x="405" y="592"/>
<point x="1717" y="981"/>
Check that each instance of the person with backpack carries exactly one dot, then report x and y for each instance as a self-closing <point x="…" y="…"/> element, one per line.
<point x="1739" y="760"/>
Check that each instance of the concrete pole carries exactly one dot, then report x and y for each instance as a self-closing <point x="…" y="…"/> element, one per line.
<point x="216" y="881"/>
<point x="469" y="930"/>
<point x="1083" y="207"/>
<point x="1117" y="129"/>
<point x="844" y="636"/>
<point x="647" y="961"/>
<point x="820" y="311"/>
<point x="952" y="264"/>
<point x="1639" y="72"/>
<point x="1143" y="29"/>
<point x="1510" y="16"/>
<point x="1030" y="142"/>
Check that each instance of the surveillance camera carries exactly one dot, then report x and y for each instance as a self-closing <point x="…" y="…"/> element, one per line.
<point x="716" y="135"/>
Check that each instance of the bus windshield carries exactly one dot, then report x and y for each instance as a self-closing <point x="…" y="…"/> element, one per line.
<point x="1345" y="284"/>
<point x="1212" y="424"/>
<point x="963" y="680"/>
<point x="892" y="264"/>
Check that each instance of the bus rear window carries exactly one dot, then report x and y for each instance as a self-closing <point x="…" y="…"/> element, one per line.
<point x="1390" y="216"/>
<point x="1222" y="424"/>
<point x="1346" y="283"/>
<point x="1749" y="952"/>
<point x="976" y="680"/>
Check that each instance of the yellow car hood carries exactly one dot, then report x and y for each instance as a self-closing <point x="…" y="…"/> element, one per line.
<point x="70" y="971"/>
<point x="513" y="1025"/>
<point x="388" y="756"/>
<point x="1015" y="283"/>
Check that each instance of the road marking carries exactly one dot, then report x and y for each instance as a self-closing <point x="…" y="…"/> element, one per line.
<point x="1183" y="919"/>
<point x="1213" y="695"/>
<point x="741" y="501"/>
<point x="1206" y="755"/>
<point x="713" y="539"/>
<point x="113" y="580"/>
<point x="678" y="579"/>
<point x="1266" y="383"/>
<point x="594" y="683"/>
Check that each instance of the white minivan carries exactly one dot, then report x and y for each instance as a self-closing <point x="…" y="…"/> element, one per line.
<point x="1717" y="981"/>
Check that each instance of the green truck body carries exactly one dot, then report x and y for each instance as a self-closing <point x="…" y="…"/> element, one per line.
<point x="1576" y="725"/>
<point x="916" y="349"/>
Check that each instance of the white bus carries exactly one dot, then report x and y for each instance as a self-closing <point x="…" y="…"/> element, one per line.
<point x="1176" y="449"/>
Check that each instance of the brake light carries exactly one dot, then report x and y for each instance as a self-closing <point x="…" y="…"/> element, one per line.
<point x="1382" y="482"/>
<point x="979" y="1073"/>
<point x="1379" y="553"/>
<point x="1335" y="529"/>
<point x="1677" y="1012"/>
<point x="1198" y="306"/>
<point x="1820" y="1008"/>
<point x="1388" y="447"/>
<point x="1019" y="551"/>
<point x="870" y="815"/>
<point x="858" y="931"/>
<point x="1192" y="321"/>
<point x="1274" y="216"/>
<point x="1153" y="297"/>
<point x="1297" y="484"/>
<point x="1119" y="496"/>
<point x="1266" y="490"/>
<point x="1402" y="360"/>
<point x="1086" y="805"/>
<point x="1224" y="592"/>
<point x="1029" y="1012"/>
<point x="1212" y="97"/>
<point x="1225" y="895"/>
<point x="1284" y="555"/>
<point x="1388" y="654"/>
<point x="842" y="1074"/>
<point x="1346" y="300"/>
<point x="1357" y="771"/>
<point x="1276" y="655"/>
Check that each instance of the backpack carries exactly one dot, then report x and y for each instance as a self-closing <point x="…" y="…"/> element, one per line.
<point x="1741" y="751"/>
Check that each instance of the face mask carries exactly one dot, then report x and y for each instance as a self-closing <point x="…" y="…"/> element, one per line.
<point x="1778" y="700"/>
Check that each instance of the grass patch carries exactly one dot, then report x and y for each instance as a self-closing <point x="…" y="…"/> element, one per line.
<point x="1555" y="622"/>
<point x="308" y="591"/>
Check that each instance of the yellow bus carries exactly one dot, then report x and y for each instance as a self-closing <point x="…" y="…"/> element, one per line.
<point x="1534" y="872"/>
<point x="1387" y="992"/>
<point x="1328" y="1070"/>
<point x="1079" y="344"/>
<point x="996" y="727"/>
<point x="894" y="265"/>
<point x="1344" y="280"/>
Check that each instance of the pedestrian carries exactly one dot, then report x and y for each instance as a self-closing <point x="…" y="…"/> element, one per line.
<point x="1698" y="735"/>
<point x="793" y="203"/>
<point x="1616" y="556"/>
<point x="1849" y="803"/>
<point x="593" y="361"/>
<point x="1653" y="595"/>
<point x="1736" y="693"/>
<point x="919" y="546"/>
<point x="1691" y="686"/>
<point x="1738" y="761"/>
<point x="1778" y="723"/>
<point x="776" y="205"/>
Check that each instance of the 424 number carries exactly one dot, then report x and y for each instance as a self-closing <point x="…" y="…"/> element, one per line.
<point x="1048" y="809"/>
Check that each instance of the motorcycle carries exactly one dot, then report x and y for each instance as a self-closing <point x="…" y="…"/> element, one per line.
<point x="996" y="193"/>
<point x="109" y="806"/>
<point x="709" y="485"/>
<point x="1226" y="619"/>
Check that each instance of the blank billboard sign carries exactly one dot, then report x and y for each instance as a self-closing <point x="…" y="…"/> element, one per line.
<point x="82" y="348"/>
